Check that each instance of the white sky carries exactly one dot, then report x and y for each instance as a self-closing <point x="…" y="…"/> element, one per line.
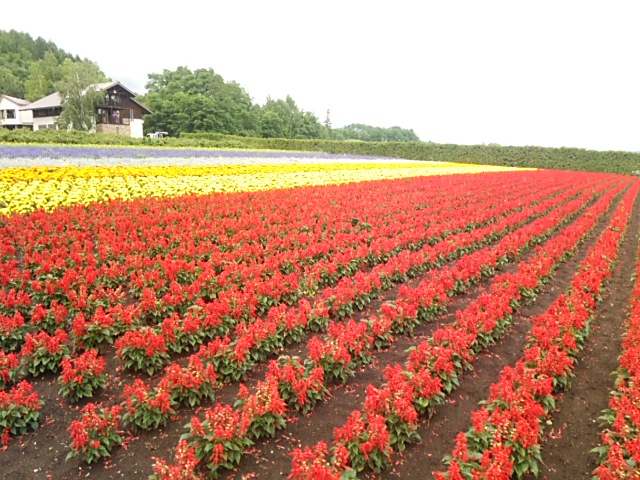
<point x="550" y="73"/>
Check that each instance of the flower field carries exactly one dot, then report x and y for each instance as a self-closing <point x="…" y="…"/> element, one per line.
<point x="186" y="314"/>
<point x="48" y="177"/>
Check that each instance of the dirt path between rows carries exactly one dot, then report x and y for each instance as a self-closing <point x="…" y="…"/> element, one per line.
<point x="37" y="454"/>
<point x="455" y="416"/>
<point x="576" y="429"/>
<point x="271" y="459"/>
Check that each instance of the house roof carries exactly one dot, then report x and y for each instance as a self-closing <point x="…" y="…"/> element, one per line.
<point x="54" y="100"/>
<point x="50" y="101"/>
<point x="17" y="101"/>
<point x="107" y="85"/>
<point x="141" y="105"/>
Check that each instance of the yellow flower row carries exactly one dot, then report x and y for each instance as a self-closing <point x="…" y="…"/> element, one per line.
<point x="58" y="173"/>
<point x="24" y="190"/>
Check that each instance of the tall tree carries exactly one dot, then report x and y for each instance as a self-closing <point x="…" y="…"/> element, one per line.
<point x="272" y="125"/>
<point x="283" y="119"/>
<point x="79" y="96"/>
<point x="10" y="84"/>
<point x="198" y="101"/>
<point x="43" y="77"/>
<point x="18" y="51"/>
<point x="327" y="125"/>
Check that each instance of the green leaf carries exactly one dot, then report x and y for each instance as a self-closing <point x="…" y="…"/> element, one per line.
<point x="533" y="466"/>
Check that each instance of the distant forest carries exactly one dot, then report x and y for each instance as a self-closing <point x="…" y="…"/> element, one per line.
<point x="19" y="52"/>
<point x="182" y="101"/>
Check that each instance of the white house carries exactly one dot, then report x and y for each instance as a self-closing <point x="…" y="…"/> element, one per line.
<point x="11" y="113"/>
<point x="45" y="111"/>
<point x="119" y="112"/>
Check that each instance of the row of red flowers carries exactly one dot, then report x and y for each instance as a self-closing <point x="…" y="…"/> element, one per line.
<point x="55" y="263"/>
<point x="301" y="386"/>
<point x="109" y="315"/>
<point x="146" y="349"/>
<point x="619" y="452"/>
<point x="46" y="352"/>
<point x="286" y="325"/>
<point x="434" y="366"/>
<point x="504" y="440"/>
<point x="345" y="345"/>
<point x="154" y="406"/>
<point x="105" y="326"/>
<point x="175" y="285"/>
<point x="255" y="341"/>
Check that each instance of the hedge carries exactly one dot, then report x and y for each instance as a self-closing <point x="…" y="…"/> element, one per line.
<point x="528" y="156"/>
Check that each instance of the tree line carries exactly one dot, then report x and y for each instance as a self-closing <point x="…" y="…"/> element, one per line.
<point x="182" y="101"/>
<point x="22" y="59"/>
<point x="367" y="133"/>
<point x="185" y="101"/>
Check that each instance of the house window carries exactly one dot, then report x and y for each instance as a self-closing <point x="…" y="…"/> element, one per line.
<point x="11" y="114"/>
<point x="47" y="112"/>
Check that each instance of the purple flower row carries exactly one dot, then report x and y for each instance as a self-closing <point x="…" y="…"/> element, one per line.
<point x="66" y="152"/>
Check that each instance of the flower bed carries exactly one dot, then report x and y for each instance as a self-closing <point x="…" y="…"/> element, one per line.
<point x="504" y="439"/>
<point x="139" y="313"/>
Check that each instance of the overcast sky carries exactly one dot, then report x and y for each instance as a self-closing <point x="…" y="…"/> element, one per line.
<point x="550" y="73"/>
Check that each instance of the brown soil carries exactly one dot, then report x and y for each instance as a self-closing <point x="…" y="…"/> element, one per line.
<point x="41" y="454"/>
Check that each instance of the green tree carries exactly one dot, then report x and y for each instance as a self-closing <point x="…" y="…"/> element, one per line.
<point x="367" y="133"/>
<point x="283" y="119"/>
<point x="272" y="125"/>
<point x="310" y="127"/>
<point x="43" y="77"/>
<point x="10" y="84"/>
<point x="79" y="97"/>
<point x="18" y="51"/>
<point x="183" y="101"/>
